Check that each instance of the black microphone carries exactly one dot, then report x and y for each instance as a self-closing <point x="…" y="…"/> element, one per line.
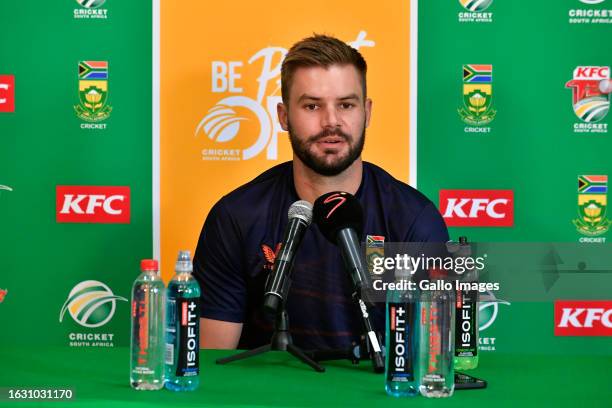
<point x="340" y="219"/>
<point x="277" y="286"/>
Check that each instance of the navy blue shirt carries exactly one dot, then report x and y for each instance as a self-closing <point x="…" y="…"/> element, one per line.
<point x="235" y="254"/>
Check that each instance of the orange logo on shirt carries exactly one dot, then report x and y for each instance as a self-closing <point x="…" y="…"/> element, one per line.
<point x="270" y="255"/>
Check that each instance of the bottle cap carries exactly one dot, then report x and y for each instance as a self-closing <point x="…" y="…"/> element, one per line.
<point x="149" y="265"/>
<point x="183" y="262"/>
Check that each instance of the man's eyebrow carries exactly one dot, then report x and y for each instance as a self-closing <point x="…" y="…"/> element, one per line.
<point x="316" y="98"/>
<point x="310" y="97"/>
<point x="351" y="96"/>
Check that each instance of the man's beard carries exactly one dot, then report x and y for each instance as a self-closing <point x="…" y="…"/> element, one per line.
<point x="319" y="164"/>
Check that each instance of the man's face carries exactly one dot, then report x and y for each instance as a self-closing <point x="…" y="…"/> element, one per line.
<point x="326" y="117"/>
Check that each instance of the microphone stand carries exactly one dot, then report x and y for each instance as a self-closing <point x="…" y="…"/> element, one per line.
<point x="354" y="353"/>
<point x="281" y="341"/>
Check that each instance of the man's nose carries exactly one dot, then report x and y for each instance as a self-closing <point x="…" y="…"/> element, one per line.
<point x="330" y="117"/>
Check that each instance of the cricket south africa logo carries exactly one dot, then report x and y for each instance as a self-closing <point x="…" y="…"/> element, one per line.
<point x="488" y="308"/>
<point x="591" y="88"/>
<point x="243" y="124"/>
<point x="591" y="14"/>
<point x="592" y="203"/>
<point x="90" y="304"/>
<point x="477" y="109"/>
<point x="90" y="9"/>
<point x="474" y="11"/>
<point x="91" y="3"/>
<point x="93" y="91"/>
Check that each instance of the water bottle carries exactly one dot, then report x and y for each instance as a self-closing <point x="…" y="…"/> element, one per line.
<point x="437" y="338"/>
<point x="183" y="328"/>
<point x="466" y="316"/>
<point x="401" y="376"/>
<point x="147" y="339"/>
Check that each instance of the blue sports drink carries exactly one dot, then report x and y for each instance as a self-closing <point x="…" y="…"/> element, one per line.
<point x="401" y="376"/>
<point x="183" y="328"/>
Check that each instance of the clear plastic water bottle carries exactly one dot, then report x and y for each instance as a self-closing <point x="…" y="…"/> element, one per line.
<point x="401" y="374"/>
<point x="183" y="328"/>
<point x="438" y="339"/>
<point x="466" y="323"/>
<point x="147" y="342"/>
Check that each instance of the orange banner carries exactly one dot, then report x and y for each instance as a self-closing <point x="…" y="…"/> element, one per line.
<point x="220" y="84"/>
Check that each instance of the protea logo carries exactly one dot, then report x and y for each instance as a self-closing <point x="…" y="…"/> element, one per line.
<point x="7" y="188"/>
<point x="476" y="5"/>
<point x="90" y="303"/>
<point x="91" y="3"/>
<point x="592" y="1"/>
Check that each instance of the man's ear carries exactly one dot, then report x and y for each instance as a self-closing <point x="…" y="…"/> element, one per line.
<point x="281" y="110"/>
<point x="368" y="111"/>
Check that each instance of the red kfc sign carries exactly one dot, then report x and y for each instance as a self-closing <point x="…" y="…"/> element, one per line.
<point x="7" y="93"/>
<point x="477" y="208"/>
<point x="583" y="318"/>
<point x="93" y="204"/>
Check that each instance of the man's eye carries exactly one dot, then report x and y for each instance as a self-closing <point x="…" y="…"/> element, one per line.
<point x="346" y="105"/>
<point x="310" y="106"/>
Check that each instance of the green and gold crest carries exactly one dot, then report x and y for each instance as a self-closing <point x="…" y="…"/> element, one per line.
<point x="592" y="203"/>
<point x="477" y="109"/>
<point x="93" y="91"/>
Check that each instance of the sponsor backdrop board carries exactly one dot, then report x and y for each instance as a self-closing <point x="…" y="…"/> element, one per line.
<point x="514" y="137"/>
<point x="75" y="168"/>
<point x="220" y="84"/>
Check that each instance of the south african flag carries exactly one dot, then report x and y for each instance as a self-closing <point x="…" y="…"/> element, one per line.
<point x="593" y="184"/>
<point x="93" y="70"/>
<point x="477" y="73"/>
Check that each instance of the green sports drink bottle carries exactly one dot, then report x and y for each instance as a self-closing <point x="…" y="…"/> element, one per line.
<point x="466" y="316"/>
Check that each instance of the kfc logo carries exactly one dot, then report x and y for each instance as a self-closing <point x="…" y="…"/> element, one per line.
<point x="7" y="93"/>
<point x="477" y="208"/>
<point x="88" y="204"/>
<point x="583" y="318"/>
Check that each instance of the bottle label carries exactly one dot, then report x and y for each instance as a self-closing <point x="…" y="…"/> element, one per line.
<point x="466" y="326"/>
<point x="188" y="314"/>
<point x="432" y="320"/>
<point x="140" y="329"/>
<point x="400" y="365"/>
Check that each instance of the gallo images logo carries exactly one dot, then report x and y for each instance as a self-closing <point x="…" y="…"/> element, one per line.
<point x="90" y="304"/>
<point x="223" y="123"/>
<point x="477" y="208"/>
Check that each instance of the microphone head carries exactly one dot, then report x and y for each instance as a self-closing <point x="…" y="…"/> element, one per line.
<point x="336" y="211"/>
<point x="301" y="209"/>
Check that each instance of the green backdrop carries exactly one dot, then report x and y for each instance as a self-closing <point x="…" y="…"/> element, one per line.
<point x="530" y="146"/>
<point x="42" y="145"/>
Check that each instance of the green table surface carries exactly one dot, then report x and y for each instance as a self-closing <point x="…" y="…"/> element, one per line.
<point x="100" y="377"/>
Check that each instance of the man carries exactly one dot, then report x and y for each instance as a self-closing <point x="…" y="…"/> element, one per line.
<point x="325" y="109"/>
